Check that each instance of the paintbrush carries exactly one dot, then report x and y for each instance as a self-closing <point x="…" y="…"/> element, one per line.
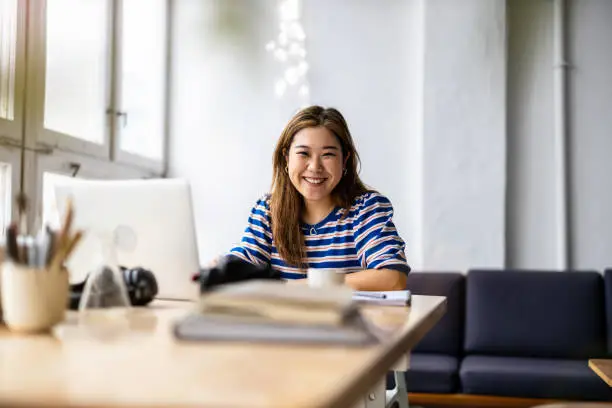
<point x="65" y="242"/>
<point x="63" y="235"/>
<point x="11" y="242"/>
<point x="22" y="207"/>
<point x="73" y="243"/>
<point x="52" y="245"/>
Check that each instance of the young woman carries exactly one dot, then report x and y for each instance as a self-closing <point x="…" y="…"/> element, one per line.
<point x="320" y="214"/>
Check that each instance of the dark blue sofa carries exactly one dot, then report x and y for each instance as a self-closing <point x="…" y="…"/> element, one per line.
<point x="435" y="360"/>
<point x="514" y="334"/>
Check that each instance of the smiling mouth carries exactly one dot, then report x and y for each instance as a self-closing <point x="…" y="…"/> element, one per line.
<point x="314" y="180"/>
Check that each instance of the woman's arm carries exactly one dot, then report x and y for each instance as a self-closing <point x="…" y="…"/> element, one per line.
<point x="371" y="279"/>
<point x="379" y="247"/>
<point x="256" y="244"/>
<point x="376" y="279"/>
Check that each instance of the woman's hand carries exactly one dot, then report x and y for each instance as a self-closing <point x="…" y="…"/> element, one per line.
<point x="303" y="281"/>
<point x="213" y="263"/>
<point x="369" y="279"/>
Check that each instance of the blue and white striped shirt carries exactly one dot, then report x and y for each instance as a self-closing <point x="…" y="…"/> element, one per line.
<point x="365" y="239"/>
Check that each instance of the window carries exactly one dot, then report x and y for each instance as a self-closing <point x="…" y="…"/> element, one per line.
<point x="12" y="40"/>
<point x="50" y="214"/>
<point x="77" y="72"/>
<point x="94" y="87"/>
<point x="10" y="158"/>
<point x="104" y="82"/>
<point x="8" y="45"/>
<point x="142" y="126"/>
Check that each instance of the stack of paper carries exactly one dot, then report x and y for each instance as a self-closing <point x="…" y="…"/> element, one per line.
<point x="389" y="298"/>
<point x="278" y="302"/>
<point x="275" y="311"/>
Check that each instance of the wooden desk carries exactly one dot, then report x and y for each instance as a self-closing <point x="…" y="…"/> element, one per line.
<point x="603" y="368"/>
<point x="141" y="364"/>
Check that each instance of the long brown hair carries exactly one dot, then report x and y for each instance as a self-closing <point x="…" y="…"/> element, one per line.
<point x="286" y="203"/>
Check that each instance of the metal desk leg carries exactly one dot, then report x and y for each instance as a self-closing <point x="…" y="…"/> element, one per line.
<point x="380" y="397"/>
<point x="398" y="396"/>
<point x="376" y="398"/>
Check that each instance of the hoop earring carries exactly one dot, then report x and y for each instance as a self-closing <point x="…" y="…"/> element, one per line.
<point x="287" y="169"/>
<point x="345" y="171"/>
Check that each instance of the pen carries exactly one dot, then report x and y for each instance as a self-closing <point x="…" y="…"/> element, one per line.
<point x="51" y="246"/>
<point x="42" y="244"/>
<point x="373" y="295"/>
<point x="31" y="251"/>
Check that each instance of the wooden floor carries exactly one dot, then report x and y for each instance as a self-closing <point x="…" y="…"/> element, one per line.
<point x="480" y="401"/>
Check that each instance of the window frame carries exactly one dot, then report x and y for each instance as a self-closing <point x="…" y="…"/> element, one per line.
<point x="32" y="150"/>
<point x="49" y="151"/>
<point x="36" y="87"/>
<point x="122" y="156"/>
<point x="39" y="137"/>
<point x="12" y="156"/>
<point x="11" y="131"/>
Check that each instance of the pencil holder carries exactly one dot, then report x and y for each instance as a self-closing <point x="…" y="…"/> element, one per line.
<point x="33" y="299"/>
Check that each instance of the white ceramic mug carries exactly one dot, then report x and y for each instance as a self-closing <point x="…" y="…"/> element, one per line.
<point x="321" y="278"/>
<point x="33" y="299"/>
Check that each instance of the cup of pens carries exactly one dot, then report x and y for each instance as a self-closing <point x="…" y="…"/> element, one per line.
<point x="34" y="281"/>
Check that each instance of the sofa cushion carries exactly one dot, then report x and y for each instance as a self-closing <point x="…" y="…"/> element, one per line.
<point x="535" y="313"/>
<point x="532" y="378"/>
<point x="446" y="337"/>
<point x="430" y="373"/>
<point x="608" y="295"/>
<point x="433" y="373"/>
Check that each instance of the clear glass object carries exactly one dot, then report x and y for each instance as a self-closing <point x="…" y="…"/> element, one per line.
<point x="105" y="286"/>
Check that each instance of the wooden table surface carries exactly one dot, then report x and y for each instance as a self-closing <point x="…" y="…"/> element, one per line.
<point x="119" y="358"/>
<point x="603" y="368"/>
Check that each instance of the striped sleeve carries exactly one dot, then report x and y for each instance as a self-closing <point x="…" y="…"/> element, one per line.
<point x="256" y="244"/>
<point x="378" y="244"/>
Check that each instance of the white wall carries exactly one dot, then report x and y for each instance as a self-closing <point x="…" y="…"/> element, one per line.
<point x="531" y="162"/>
<point x="224" y="117"/>
<point x="532" y="203"/>
<point x="464" y="152"/>
<point x="364" y="61"/>
<point x="590" y="88"/>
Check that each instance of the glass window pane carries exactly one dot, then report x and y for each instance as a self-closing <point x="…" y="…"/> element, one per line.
<point x="5" y="196"/>
<point x="50" y="214"/>
<point x="8" y="44"/>
<point x="77" y="68"/>
<point x="143" y="56"/>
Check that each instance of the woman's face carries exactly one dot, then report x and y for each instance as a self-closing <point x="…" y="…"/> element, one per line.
<point x="315" y="163"/>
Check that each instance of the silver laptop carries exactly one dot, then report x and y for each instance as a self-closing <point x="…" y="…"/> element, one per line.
<point x="151" y="222"/>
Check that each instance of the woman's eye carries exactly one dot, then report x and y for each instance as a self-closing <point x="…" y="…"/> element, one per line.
<point x="305" y="154"/>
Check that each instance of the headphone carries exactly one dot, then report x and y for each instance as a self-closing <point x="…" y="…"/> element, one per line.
<point x="140" y="284"/>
